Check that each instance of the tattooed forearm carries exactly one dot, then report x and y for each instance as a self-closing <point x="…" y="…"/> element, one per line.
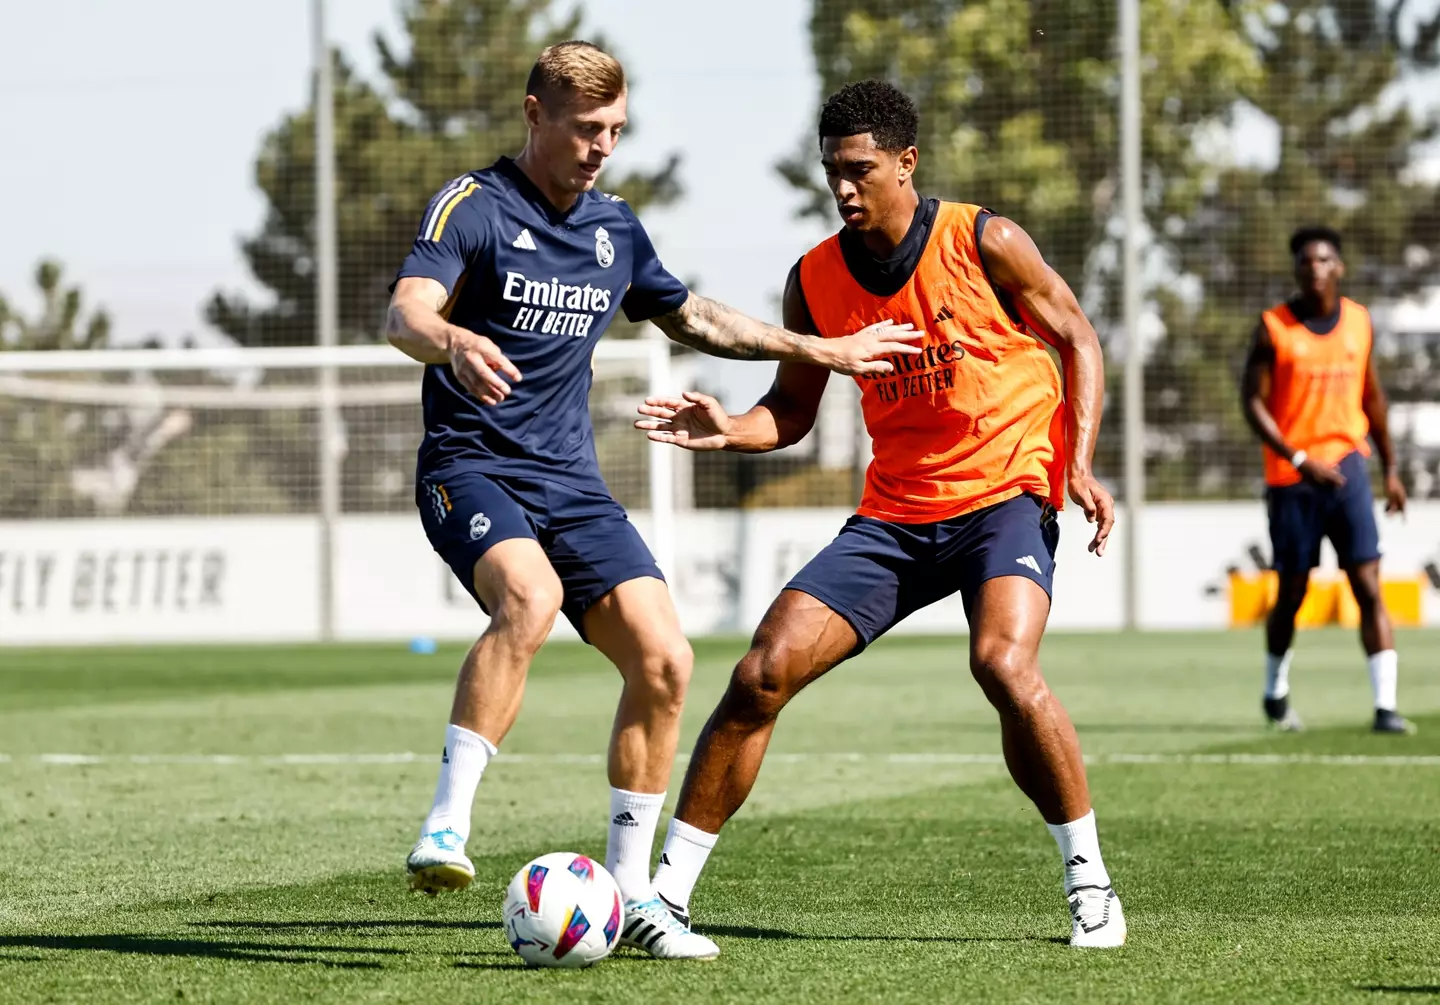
<point x="718" y="330"/>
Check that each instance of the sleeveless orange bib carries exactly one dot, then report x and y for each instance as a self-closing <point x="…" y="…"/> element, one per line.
<point x="1316" y="387"/>
<point x="976" y="419"/>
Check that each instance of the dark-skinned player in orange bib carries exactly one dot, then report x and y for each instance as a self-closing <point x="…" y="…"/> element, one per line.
<point x="974" y="443"/>
<point x="1311" y="394"/>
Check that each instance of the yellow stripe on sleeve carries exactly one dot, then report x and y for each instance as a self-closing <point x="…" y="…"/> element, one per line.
<point x="455" y="200"/>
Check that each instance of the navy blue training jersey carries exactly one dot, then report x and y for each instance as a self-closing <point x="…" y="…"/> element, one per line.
<point x="542" y="285"/>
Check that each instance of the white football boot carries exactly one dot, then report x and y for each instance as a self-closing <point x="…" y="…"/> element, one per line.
<point x="652" y="927"/>
<point x="437" y="863"/>
<point x="1096" y="920"/>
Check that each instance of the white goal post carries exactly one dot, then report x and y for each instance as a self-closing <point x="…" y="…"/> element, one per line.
<point x="232" y="431"/>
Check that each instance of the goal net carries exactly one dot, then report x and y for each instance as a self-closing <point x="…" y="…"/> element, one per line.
<point x="227" y="432"/>
<point x="133" y="481"/>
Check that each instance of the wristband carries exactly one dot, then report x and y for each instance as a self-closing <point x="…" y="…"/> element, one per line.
<point x="1298" y="458"/>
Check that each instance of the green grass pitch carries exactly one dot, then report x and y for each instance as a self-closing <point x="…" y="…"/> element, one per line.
<point x="874" y="862"/>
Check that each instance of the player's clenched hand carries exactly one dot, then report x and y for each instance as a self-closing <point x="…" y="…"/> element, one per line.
<point x="480" y="366"/>
<point x="694" y="421"/>
<point x="1322" y="474"/>
<point x="1395" y="497"/>
<point x="1099" y="507"/>
<point x="864" y="352"/>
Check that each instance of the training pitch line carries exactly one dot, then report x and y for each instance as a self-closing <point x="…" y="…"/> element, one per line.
<point x="939" y="758"/>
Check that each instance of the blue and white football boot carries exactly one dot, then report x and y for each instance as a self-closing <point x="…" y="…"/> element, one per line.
<point x="437" y="863"/>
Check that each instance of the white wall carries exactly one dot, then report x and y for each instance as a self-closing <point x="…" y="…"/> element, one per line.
<point x="257" y="578"/>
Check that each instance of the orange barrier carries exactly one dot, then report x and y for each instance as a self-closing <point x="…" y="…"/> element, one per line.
<point x="1328" y="601"/>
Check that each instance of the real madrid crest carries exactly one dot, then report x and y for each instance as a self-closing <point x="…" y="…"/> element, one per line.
<point x="604" y="250"/>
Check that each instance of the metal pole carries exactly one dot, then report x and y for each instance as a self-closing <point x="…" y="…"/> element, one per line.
<point x="662" y="467"/>
<point x="326" y="323"/>
<point x="1134" y="356"/>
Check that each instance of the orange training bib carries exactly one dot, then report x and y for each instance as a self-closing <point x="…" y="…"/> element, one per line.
<point x="1316" y="387"/>
<point x="976" y="419"/>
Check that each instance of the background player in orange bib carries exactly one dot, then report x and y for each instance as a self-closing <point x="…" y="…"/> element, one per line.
<point x="973" y="445"/>
<point x="1311" y="394"/>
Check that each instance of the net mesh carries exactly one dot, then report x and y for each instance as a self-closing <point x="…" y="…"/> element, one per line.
<point x="1256" y="118"/>
<point x="243" y="439"/>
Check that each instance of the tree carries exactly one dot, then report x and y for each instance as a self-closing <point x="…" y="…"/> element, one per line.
<point x="102" y="444"/>
<point x="45" y="440"/>
<point x="1018" y="112"/>
<point x="1345" y="156"/>
<point x="1018" y="103"/>
<point x="449" y="101"/>
<point x="59" y="325"/>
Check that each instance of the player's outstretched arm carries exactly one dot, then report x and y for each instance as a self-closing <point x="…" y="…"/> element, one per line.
<point x="1048" y="306"/>
<point x="1377" y="409"/>
<point x="416" y="326"/>
<point x="720" y="330"/>
<point x="1255" y="392"/>
<point x="782" y="417"/>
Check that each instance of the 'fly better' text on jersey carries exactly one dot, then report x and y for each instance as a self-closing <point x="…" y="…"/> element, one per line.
<point x="543" y="286"/>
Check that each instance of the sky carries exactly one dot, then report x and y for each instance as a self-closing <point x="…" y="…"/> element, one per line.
<point x="136" y="126"/>
<point x="132" y="128"/>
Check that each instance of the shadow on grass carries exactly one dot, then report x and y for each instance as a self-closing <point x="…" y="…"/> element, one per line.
<point x="514" y="964"/>
<point x="245" y="952"/>
<point x="349" y="925"/>
<point x="1403" y="989"/>
<point x="622" y="957"/>
<point x="750" y="932"/>
<point x="1165" y="728"/>
<point x="988" y="727"/>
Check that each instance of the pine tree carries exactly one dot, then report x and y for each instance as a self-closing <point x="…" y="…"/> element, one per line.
<point x="1346" y="152"/>
<point x="449" y="102"/>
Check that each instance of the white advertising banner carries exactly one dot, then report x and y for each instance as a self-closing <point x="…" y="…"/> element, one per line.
<point x="159" y="580"/>
<point x="257" y="579"/>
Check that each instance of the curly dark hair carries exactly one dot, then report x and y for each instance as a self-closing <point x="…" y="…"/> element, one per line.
<point x="1319" y="232"/>
<point x="876" y="107"/>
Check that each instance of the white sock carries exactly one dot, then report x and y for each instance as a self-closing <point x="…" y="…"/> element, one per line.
<point x="686" y="849"/>
<point x="1277" y="674"/>
<point x="633" y="819"/>
<point x="1080" y="851"/>
<point x="461" y="766"/>
<point x="1384" y="675"/>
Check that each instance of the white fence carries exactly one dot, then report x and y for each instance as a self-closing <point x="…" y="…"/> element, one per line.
<point x="258" y="578"/>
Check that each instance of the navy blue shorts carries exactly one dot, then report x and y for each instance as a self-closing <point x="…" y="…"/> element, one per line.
<point x="590" y="542"/>
<point x="876" y="573"/>
<point x="1301" y="515"/>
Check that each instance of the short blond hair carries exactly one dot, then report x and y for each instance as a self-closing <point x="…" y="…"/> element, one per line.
<point x="576" y="69"/>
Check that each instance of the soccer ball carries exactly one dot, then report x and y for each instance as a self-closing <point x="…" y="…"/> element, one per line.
<point x="563" y="910"/>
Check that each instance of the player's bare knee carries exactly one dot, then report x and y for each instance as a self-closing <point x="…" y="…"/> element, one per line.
<point x="1005" y="670"/>
<point x="1366" y="588"/>
<point x="663" y="673"/>
<point x="1290" y="594"/>
<point x="527" y="609"/>
<point x="762" y="682"/>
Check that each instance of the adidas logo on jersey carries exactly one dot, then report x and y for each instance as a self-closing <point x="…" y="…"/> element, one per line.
<point x="1029" y="562"/>
<point x="946" y="314"/>
<point x="524" y="242"/>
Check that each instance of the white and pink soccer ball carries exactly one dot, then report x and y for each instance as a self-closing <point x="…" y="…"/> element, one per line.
<point x="563" y="910"/>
